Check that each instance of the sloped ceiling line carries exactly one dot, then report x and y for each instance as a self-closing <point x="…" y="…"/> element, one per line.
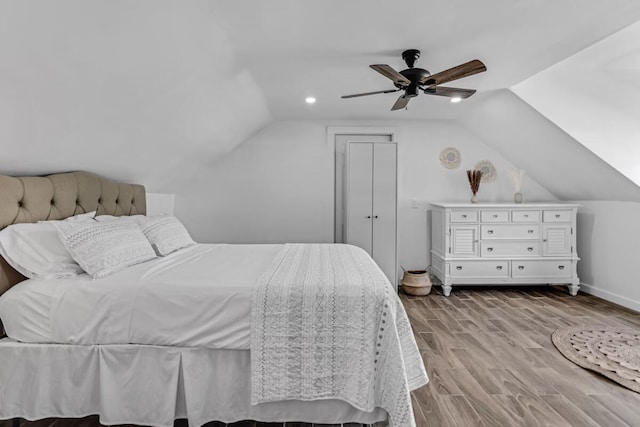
<point x="594" y="96"/>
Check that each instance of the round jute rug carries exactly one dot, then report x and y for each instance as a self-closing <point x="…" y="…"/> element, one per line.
<point x="612" y="352"/>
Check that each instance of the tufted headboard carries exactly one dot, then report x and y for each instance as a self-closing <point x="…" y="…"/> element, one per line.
<point x="59" y="196"/>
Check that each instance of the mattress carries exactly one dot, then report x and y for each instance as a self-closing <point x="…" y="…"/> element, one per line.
<point x="196" y="297"/>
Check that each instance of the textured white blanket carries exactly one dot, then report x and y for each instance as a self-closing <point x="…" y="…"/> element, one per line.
<point x="327" y="324"/>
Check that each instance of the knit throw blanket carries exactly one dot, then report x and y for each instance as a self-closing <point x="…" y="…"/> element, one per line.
<point x="327" y="324"/>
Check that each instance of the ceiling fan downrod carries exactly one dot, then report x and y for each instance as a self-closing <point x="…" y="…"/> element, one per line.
<point x="410" y="56"/>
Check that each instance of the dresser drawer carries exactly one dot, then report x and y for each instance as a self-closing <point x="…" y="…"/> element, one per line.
<point x="556" y="216"/>
<point x="464" y="216"/>
<point x="494" y="216"/>
<point x="510" y="231"/>
<point x="542" y="268"/>
<point x="510" y="249"/>
<point x="525" y="216"/>
<point x="480" y="269"/>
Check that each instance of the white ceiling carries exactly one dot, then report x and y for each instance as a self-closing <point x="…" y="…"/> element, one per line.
<point x="158" y="90"/>
<point x="594" y="96"/>
<point x="297" y="48"/>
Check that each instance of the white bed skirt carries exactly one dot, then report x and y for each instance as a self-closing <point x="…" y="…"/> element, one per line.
<point x="146" y="385"/>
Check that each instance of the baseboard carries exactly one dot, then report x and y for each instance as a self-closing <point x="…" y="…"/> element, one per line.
<point x="610" y="296"/>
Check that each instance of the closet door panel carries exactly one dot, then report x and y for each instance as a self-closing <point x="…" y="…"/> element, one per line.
<point x="360" y="196"/>
<point x="384" y="208"/>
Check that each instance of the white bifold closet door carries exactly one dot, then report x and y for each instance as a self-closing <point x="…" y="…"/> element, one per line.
<point x="371" y="212"/>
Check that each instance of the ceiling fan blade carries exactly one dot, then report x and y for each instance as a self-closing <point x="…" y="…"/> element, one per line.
<point x="368" y="93"/>
<point x="401" y="103"/>
<point x="390" y="73"/>
<point x="451" y="92"/>
<point x="464" y="70"/>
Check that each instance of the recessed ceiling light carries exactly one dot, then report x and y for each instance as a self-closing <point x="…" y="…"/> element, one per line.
<point x="310" y="100"/>
<point x="456" y="99"/>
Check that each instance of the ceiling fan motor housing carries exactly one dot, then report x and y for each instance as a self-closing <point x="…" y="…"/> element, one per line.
<point x="415" y="75"/>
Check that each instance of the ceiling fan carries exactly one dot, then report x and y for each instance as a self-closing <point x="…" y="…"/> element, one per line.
<point x="413" y="80"/>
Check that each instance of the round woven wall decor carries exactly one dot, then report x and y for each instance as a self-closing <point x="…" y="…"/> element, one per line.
<point x="488" y="170"/>
<point x="450" y="158"/>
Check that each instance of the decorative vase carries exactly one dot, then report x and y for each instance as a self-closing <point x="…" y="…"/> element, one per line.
<point x="518" y="198"/>
<point x="416" y="282"/>
<point x="516" y="178"/>
<point x="474" y="199"/>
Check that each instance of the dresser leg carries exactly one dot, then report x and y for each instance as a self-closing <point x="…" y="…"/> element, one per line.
<point x="573" y="289"/>
<point x="446" y="289"/>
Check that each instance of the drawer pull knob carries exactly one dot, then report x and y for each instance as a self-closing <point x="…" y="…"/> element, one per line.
<point x="544" y="240"/>
<point x="561" y="267"/>
<point x="458" y="267"/>
<point x="499" y="267"/>
<point x="495" y="216"/>
<point x="489" y="249"/>
<point x="557" y="215"/>
<point x="530" y="231"/>
<point x="521" y="267"/>
<point x="464" y="216"/>
<point x="490" y="231"/>
<point x="526" y="216"/>
<point x="530" y="249"/>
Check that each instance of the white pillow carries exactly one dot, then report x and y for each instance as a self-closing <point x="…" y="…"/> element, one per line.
<point x="131" y="218"/>
<point x="89" y="216"/>
<point x="166" y="234"/>
<point x="103" y="248"/>
<point x="35" y="249"/>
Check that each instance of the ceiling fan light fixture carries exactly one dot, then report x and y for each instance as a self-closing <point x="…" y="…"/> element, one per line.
<point x="310" y="100"/>
<point x="456" y="99"/>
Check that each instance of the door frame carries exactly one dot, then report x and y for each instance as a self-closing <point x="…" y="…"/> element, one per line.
<point x="332" y="131"/>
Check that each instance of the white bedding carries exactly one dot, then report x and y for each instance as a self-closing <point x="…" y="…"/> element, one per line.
<point x="197" y="297"/>
<point x="146" y="385"/>
<point x="186" y="311"/>
<point x="328" y="324"/>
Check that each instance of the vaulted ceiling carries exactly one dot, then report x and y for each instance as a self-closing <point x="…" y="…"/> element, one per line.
<point x="323" y="48"/>
<point x="594" y="96"/>
<point x="165" y="87"/>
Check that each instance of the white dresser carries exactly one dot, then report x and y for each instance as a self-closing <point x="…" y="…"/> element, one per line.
<point x="474" y="244"/>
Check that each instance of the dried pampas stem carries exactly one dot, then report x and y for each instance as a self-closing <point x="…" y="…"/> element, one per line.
<point x="474" y="179"/>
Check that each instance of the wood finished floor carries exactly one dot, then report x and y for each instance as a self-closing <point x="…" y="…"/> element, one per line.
<point x="491" y="362"/>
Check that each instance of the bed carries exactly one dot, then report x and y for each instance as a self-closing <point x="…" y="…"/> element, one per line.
<point x="250" y="335"/>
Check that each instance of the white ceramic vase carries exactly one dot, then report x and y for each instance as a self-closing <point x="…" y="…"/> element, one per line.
<point x="518" y="198"/>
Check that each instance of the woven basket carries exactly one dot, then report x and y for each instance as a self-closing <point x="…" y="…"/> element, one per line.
<point x="416" y="282"/>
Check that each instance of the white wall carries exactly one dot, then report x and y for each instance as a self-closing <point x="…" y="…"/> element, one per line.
<point x="608" y="236"/>
<point x="275" y="187"/>
<point x="144" y="91"/>
<point x="278" y="185"/>
<point x="551" y="156"/>
<point x="160" y="203"/>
